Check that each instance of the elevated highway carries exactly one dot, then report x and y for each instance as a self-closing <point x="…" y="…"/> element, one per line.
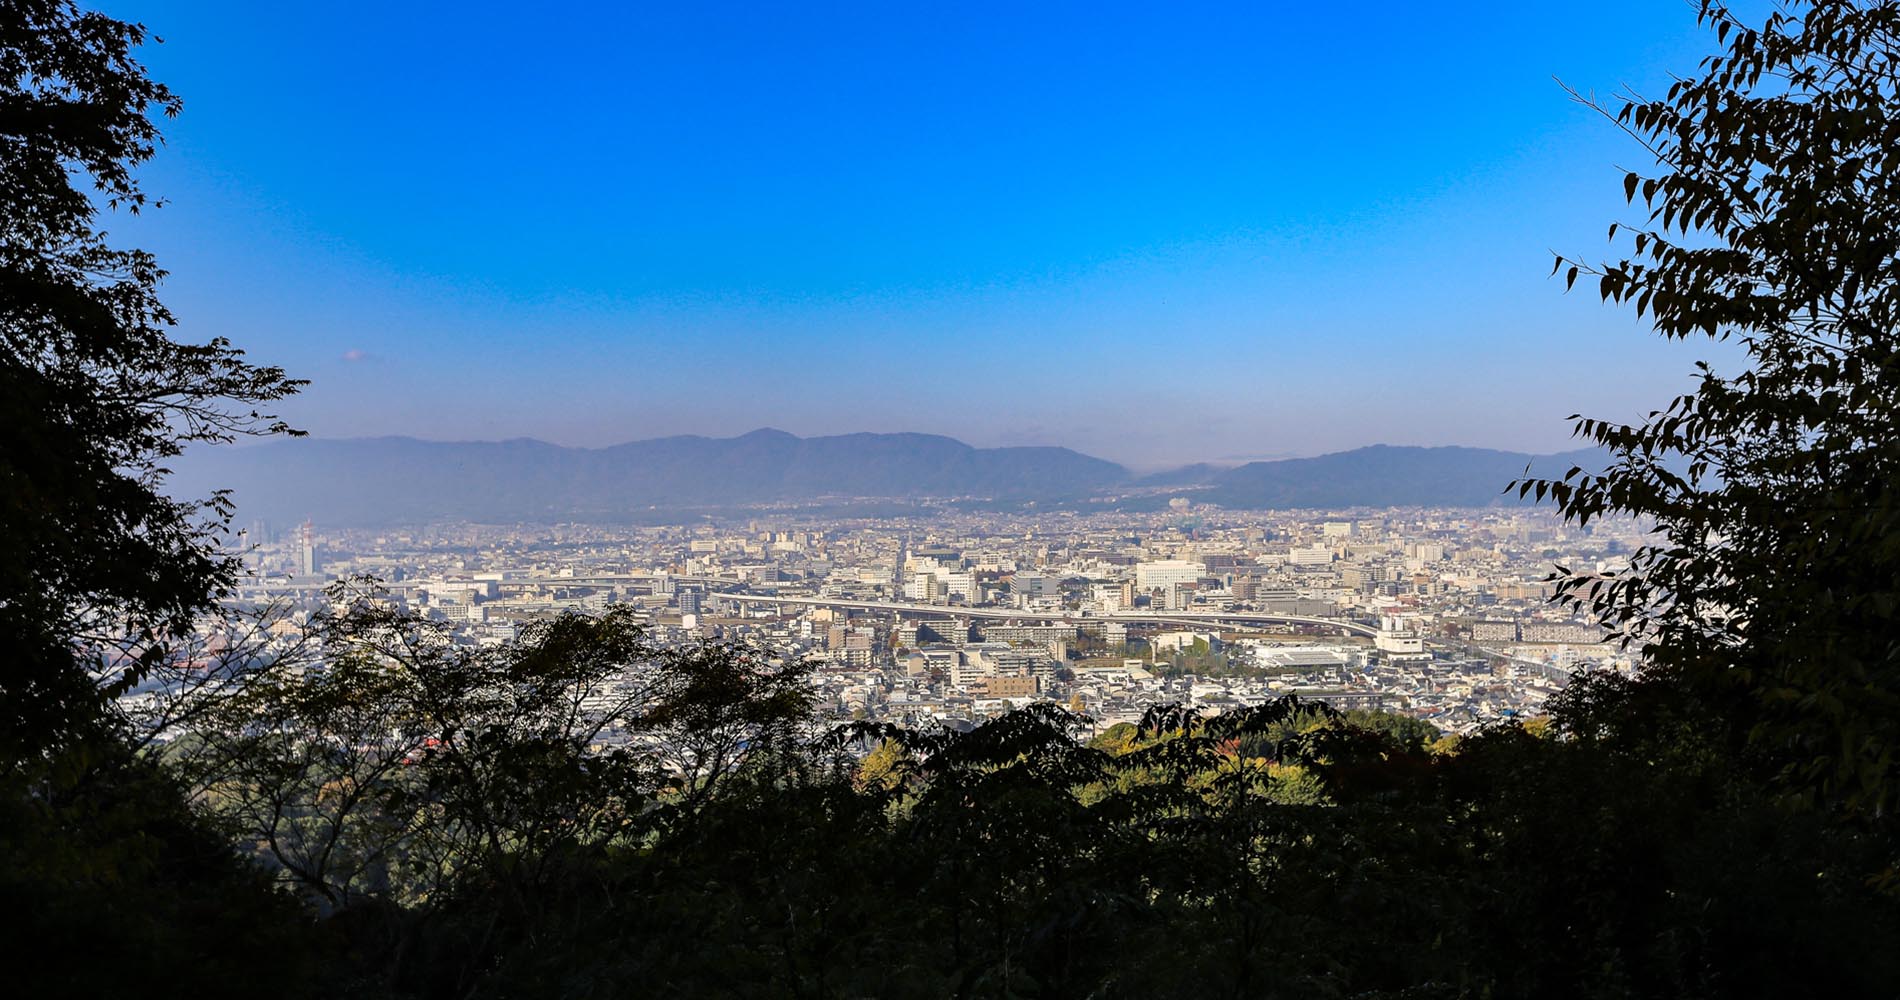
<point x="1201" y="619"/>
<point x="515" y="580"/>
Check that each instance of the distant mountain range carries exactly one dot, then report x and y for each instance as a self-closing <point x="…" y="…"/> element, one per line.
<point x="1388" y="476"/>
<point x="398" y="480"/>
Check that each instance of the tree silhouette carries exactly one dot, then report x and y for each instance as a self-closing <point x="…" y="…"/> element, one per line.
<point x="1772" y="219"/>
<point x="99" y="569"/>
<point x="101" y="573"/>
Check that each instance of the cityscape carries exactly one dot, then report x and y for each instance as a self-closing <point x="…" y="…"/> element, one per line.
<point x="951" y="618"/>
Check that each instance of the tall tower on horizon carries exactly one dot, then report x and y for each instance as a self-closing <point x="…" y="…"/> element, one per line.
<point x="897" y="571"/>
<point x="306" y="549"/>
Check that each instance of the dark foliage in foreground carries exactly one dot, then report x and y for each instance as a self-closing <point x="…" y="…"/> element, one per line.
<point x="98" y="566"/>
<point x="1616" y="854"/>
<point x="1521" y="866"/>
<point x="1771" y="219"/>
<point x="733" y="846"/>
<point x="110" y="883"/>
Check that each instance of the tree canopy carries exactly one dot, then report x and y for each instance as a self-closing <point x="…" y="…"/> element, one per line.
<point x="99" y="568"/>
<point x="1771" y="218"/>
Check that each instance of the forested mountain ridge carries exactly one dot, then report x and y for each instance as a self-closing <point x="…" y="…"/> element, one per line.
<point x="1389" y="476"/>
<point x="402" y="479"/>
<point x="373" y="480"/>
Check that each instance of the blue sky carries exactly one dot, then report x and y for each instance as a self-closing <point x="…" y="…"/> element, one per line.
<point x="1157" y="233"/>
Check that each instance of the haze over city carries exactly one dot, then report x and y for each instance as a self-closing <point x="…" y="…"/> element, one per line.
<point x="1232" y="234"/>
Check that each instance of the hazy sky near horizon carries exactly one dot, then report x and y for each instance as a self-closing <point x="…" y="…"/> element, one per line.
<point x="1157" y="234"/>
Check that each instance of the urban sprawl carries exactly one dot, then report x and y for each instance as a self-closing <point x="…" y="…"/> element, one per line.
<point x="951" y="618"/>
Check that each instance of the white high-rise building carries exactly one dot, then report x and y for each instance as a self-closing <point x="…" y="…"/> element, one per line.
<point x="306" y="550"/>
<point x="1162" y="573"/>
<point x="1310" y="555"/>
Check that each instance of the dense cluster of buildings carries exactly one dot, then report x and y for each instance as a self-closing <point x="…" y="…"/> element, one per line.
<point x="953" y="616"/>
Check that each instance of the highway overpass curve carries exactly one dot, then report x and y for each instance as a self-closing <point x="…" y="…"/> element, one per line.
<point x="939" y="611"/>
